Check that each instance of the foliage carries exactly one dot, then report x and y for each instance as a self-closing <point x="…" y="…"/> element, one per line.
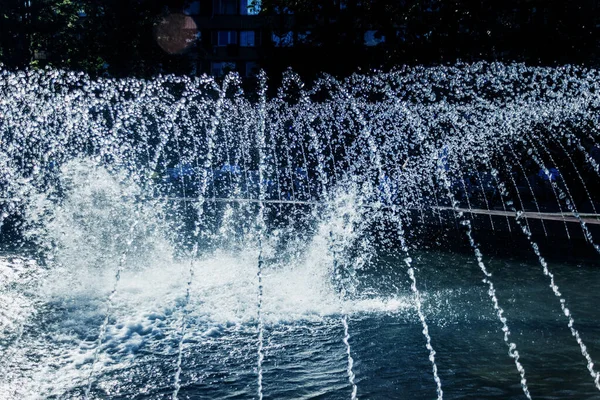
<point x="113" y="37"/>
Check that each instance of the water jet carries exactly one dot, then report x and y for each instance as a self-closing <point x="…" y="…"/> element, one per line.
<point x="424" y="232"/>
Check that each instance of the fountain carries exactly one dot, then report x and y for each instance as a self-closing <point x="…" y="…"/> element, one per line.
<point x="426" y="232"/>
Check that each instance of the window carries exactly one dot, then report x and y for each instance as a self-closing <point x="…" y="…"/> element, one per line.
<point x="247" y="39"/>
<point x="284" y="39"/>
<point x="250" y="7"/>
<point x="225" y="38"/>
<point x="220" y="69"/>
<point x="252" y="69"/>
<point x="228" y="7"/>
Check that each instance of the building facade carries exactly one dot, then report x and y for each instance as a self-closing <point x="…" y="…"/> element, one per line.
<point x="231" y="35"/>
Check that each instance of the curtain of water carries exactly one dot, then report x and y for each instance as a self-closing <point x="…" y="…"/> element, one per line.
<point x="260" y="222"/>
<point x="557" y="293"/>
<point x="568" y="203"/>
<point x="372" y="135"/>
<point x="512" y="347"/>
<point x="385" y="192"/>
<point x="203" y="185"/>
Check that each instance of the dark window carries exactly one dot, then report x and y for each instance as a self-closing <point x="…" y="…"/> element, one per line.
<point x="227" y="37"/>
<point x="247" y="39"/>
<point x="220" y="69"/>
<point x="192" y="8"/>
<point x="252" y="69"/>
<point x="228" y="7"/>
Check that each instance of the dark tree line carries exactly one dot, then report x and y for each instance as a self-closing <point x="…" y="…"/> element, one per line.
<point x="117" y="37"/>
<point x="111" y="37"/>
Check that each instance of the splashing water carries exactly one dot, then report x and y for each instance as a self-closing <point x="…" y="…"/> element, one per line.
<point x="179" y="237"/>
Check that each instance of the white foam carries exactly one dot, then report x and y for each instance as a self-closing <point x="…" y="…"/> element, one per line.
<point x="88" y="231"/>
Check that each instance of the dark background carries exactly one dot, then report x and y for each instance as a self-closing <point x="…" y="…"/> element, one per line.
<point x="148" y="37"/>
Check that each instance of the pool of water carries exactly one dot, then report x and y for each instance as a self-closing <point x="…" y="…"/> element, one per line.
<point x="51" y="317"/>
